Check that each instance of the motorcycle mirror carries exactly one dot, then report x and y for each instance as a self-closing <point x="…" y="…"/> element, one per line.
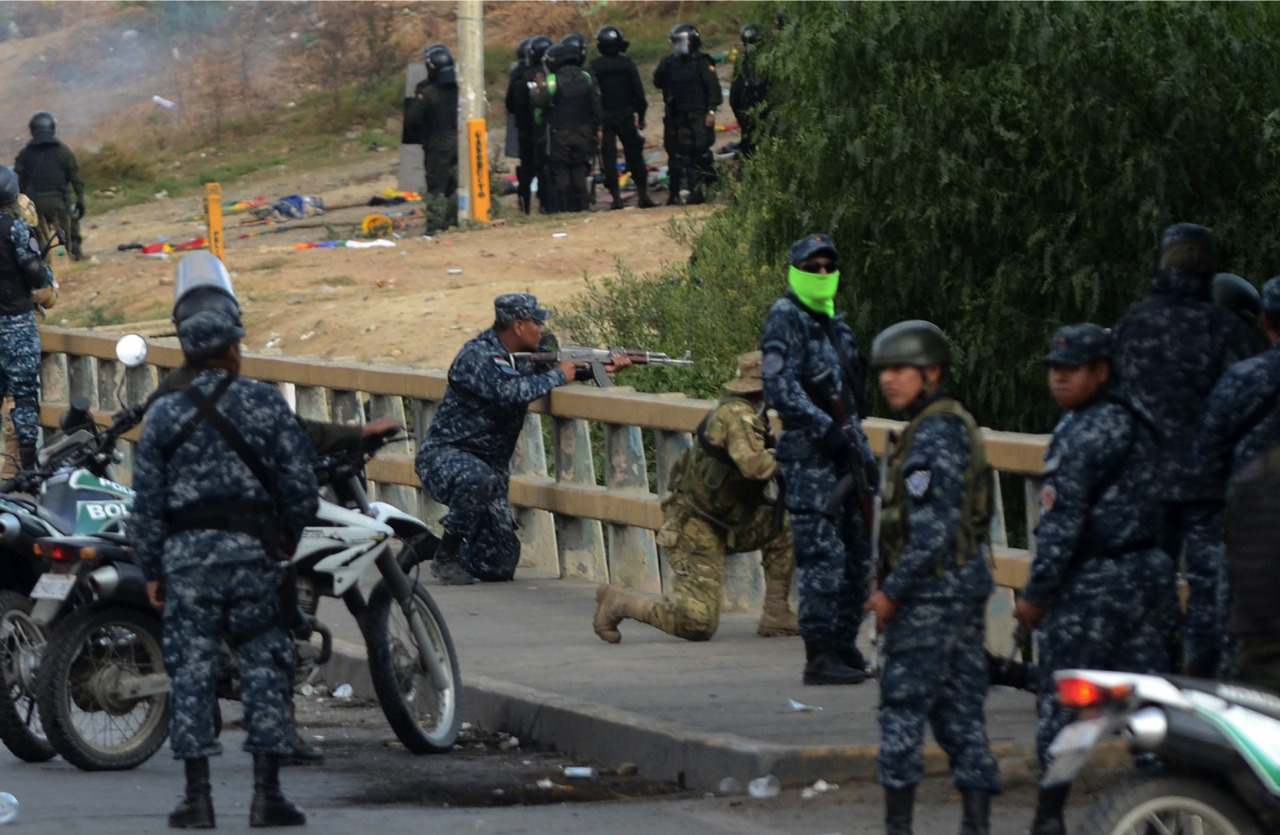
<point x="131" y="350"/>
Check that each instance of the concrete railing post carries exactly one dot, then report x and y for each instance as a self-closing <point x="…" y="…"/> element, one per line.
<point x="537" y="528"/>
<point x="582" y="553"/>
<point x="633" y="554"/>
<point x="402" y="496"/>
<point x="668" y="448"/>
<point x="430" y="511"/>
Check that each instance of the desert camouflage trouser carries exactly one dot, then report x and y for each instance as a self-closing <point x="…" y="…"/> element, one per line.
<point x="696" y="551"/>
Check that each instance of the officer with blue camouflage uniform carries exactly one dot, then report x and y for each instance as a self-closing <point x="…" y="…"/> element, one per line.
<point x="1170" y="351"/>
<point x="1101" y="591"/>
<point x="815" y="380"/>
<point x="225" y="488"/>
<point x="21" y="273"/>
<point x="464" y="461"/>
<point x="931" y="604"/>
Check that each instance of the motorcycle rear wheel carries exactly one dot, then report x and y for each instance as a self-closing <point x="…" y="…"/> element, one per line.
<point x="424" y="718"/>
<point x="1159" y="803"/>
<point x="22" y="644"/>
<point x="86" y="725"/>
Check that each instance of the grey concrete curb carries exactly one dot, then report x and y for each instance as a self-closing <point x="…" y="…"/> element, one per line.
<point x="659" y="750"/>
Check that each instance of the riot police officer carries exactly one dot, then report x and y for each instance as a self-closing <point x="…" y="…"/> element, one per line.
<point x="49" y="173"/>
<point x="931" y="604"/>
<point x="517" y="125"/>
<point x="431" y="119"/>
<point x="533" y="139"/>
<point x="815" y="380"/>
<point x="570" y="109"/>
<point x="691" y="91"/>
<point x="748" y="91"/>
<point x="21" y="273"/>
<point x="225" y="488"/>
<point x="624" y="104"/>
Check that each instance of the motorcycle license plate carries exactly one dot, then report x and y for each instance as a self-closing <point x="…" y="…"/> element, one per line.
<point x="1071" y="749"/>
<point x="53" y="586"/>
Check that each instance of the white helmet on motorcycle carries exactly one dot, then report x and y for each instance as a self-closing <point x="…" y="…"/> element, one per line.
<point x="201" y="282"/>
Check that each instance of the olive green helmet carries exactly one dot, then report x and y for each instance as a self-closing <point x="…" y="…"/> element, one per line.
<point x="914" y="342"/>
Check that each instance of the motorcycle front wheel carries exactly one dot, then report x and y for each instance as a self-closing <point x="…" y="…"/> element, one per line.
<point x="1168" y="804"/>
<point x="424" y="716"/>
<point x="22" y="644"/>
<point x="91" y="656"/>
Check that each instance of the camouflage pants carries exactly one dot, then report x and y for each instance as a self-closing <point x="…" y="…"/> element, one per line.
<point x="1112" y="615"/>
<point x="20" y="374"/>
<point x="202" y="607"/>
<point x="1193" y="533"/>
<point x="935" y="671"/>
<point x="479" y="512"/>
<point x="696" y="552"/>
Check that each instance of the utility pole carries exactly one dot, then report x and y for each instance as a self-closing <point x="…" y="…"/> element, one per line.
<point x="471" y="99"/>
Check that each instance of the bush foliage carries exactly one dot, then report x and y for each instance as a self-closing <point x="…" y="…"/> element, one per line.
<point x="1000" y="169"/>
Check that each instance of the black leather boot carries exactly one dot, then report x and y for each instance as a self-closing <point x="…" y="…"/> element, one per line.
<point x="195" y="810"/>
<point x="270" y="807"/>
<point x="1050" y="804"/>
<point x="446" y="566"/>
<point x="1010" y="673"/>
<point x="898" y="805"/>
<point x="27" y="457"/>
<point x="823" y="666"/>
<point x="673" y="185"/>
<point x="977" y="812"/>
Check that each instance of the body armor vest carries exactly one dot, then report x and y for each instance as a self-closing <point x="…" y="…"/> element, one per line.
<point x="571" y="94"/>
<point x="43" y="170"/>
<point x="979" y="490"/>
<point x="613" y="74"/>
<point x="709" y="483"/>
<point x="683" y="90"/>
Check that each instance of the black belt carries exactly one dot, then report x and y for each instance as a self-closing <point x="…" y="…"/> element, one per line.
<point x="233" y="517"/>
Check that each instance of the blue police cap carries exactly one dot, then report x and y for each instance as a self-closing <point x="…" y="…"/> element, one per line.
<point x="1077" y="345"/>
<point x="512" y="307"/>
<point x="811" y="245"/>
<point x="208" y="333"/>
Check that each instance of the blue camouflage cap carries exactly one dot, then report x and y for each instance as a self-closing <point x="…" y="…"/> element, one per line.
<point x="512" y="307"/>
<point x="207" y="333"/>
<point x="811" y="245"/>
<point x="1271" y="295"/>
<point x="1077" y="345"/>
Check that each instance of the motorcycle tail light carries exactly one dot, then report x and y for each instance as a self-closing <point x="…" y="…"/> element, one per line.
<point x="1079" y="693"/>
<point x="62" y="552"/>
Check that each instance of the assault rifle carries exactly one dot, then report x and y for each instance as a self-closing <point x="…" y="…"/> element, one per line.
<point x="853" y="478"/>
<point x="598" y="358"/>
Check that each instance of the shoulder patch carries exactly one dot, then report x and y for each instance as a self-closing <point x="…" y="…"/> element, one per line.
<point x="917" y="483"/>
<point x="505" y="366"/>
<point x="1048" y="496"/>
<point x="772" y="363"/>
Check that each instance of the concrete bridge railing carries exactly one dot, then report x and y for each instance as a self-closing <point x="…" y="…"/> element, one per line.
<point x="586" y="474"/>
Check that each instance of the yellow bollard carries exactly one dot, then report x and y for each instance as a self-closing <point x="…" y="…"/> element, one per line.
<point x="479" y="153"/>
<point x="213" y="209"/>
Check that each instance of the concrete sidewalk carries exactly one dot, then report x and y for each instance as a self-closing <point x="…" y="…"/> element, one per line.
<point x="688" y="712"/>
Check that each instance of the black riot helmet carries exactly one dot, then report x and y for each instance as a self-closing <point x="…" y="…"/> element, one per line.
<point x="561" y="55"/>
<point x="8" y="185"/>
<point x="439" y="61"/>
<point x="200" y="283"/>
<point x="915" y="343"/>
<point x="42" y="124"/>
<point x="685" y="39"/>
<point x="522" y="51"/>
<point x="538" y="46"/>
<point x="609" y="41"/>
<point x="579" y="43"/>
<point x="1237" y="295"/>
<point x="750" y="33"/>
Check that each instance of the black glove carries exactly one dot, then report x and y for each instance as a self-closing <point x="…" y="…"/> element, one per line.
<point x="79" y="211"/>
<point x="837" y="444"/>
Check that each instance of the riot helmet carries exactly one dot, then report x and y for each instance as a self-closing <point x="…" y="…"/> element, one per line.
<point x="1189" y="247"/>
<point x="8" y="185"/>
<point x="915" y="343"/>
<point x="439" y="61"/>
<point x="538" y="46"/>
<point x="560" y="55"/>
<point x="579" y="43"/>
<point x="1237" y="295"/>
<point x="609" y="41"/>
<point x="42" y="124"/>
<point x="750" y="34"/>
<point x="685" y="39"/>
<point x="522" y="51"/>
<point x="201" y="282"/>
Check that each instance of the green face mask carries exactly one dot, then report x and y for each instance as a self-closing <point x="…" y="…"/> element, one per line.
<point x="818" y="292"/>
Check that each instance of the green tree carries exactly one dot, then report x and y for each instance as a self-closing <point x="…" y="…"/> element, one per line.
<point x="998" y="168"/>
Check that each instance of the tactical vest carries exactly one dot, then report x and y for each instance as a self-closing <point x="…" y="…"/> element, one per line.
<point x="709" y="483"/>
<point x="1253" y="550"/>
<point x="683" y="91"/>
<point x="979" y="490"/>
<point x="613" y="74"/>
<point x="42" y="171"/>
<point x="571" y="99"/>
<point x="15" y="293"/>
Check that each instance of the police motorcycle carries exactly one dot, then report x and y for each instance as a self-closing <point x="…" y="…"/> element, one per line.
<point x="71" y="491"/>
<point x="1218" y="742"/>
<point x="101" y="688"/>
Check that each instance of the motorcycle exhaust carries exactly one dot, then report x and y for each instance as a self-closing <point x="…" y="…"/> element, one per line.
<point x="104" y="581"/>
<point x="1181" y="737"/>
<point x="10" y="527"/>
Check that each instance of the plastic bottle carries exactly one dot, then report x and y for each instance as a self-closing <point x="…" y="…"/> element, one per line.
<point x="766" y="786"/>
<point x="8" y="807"/>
